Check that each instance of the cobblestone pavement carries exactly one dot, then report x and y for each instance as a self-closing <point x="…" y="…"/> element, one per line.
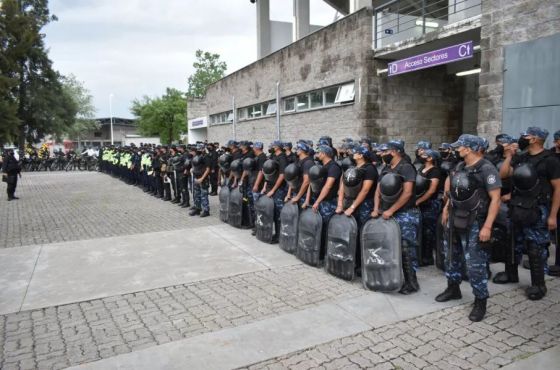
<point x="65" y="206"/>
<point x="514" y="329"/>
<point x="72" y="334"/>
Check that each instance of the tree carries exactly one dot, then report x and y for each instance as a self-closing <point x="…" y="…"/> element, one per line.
<point x="162" y="116"/>
<point x="84" y="121"/>
<point x="208" y="69"/>
<point x="35" y="90"/>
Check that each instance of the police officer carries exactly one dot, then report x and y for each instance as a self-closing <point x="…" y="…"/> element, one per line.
<point x="11" y="169"/>
<point x="356" y="193"/>
<point x="276" y="187"/>
<point x="534" y="205"/>
<point x="260" y="158"/>
<point x="247" y="181"/>
<point x="421" y="146"/>
<point x="214" y="168"/>
<point x="428" y="184"/>
<point x="556" y="148"/>
<point x="472" y="207"/>
<point x="304" y="162"/>
<point x="388" y="203"/>
<point x="325" y="200"/>
<point x="201" y="172"/>
<point x="290" y="155"/>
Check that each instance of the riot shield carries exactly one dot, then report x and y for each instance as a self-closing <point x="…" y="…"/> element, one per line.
<point x="289" y="218"/>
<point x="419" y="240"/>
<point x="342" y="233"/>
<point x="264" y="223"/>
<point x="223" y="197"/>
<point x="310" y="230"/>
<point x="381" y="255"/>
<point x="235" y="208"/>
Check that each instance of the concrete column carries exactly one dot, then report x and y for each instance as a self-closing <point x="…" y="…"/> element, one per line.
<point x="301" y="19"/>
<point x="263" y="28"/>
<point x="356" y="5"/>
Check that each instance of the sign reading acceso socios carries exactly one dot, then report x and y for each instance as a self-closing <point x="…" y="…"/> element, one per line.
<point x="431" y="59"/>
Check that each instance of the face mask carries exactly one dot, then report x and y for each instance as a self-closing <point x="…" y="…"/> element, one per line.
<point x="422" y="160"/>
<point x="457" y="155"/>
<point x="500" y="150"/>
<point x="444" y="154"/>
<point x="387" y="158"/>
<point x="523" y="143"/>
<point x="270" y="151"/>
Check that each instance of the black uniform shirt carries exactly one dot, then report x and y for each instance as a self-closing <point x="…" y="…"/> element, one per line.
<point x="407" y="171"/>
<point x="548" y="167"/>
<point x="370" y="174"/>
<point x="434" y="173"/>
<point x="334" y="171"/>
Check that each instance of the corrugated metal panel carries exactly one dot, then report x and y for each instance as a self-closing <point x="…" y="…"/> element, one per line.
<point x="532" y="85"/>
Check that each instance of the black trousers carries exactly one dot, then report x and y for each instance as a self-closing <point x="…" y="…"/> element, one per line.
<point x="12" y="184"/>
<point x="214" y="180"/>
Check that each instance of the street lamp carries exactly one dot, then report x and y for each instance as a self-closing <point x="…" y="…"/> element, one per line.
<point x="111" y="114"/>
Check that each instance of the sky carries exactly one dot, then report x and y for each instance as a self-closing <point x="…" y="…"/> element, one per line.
<point x="133" y="48"/>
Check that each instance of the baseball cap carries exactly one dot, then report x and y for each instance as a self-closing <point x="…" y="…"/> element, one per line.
<point x="258" y="145"/>
<point x="469" y="141"/>
<point x="325" y="149"/>
<point x="541" y="133"/>
<point x="557" y="135"/>
<point x="423" y="144"/>
<point x="434" y="154"/>
<point x="303" y="147"/>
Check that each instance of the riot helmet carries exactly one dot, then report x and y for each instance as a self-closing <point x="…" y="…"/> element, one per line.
<point x="525" y="177"/>
<point x="292" y="174"/>
<point x="352" y="180"/>
<point x="317" y="177"/>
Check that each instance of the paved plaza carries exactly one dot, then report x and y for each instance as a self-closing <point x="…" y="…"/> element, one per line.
<point x="96" y="274"/>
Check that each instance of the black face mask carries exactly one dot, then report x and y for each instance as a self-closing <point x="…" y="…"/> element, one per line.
<point x="444" y="155"/>
<point x="523" y="143"/>
<point x="387" y="158"/>
<point x="499" y="150"/>
<point x="422" y="160"/>
<point x="457" y="155"/>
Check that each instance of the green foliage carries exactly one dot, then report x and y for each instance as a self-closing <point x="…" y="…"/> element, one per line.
<point x="208" y="69"/>
<point x="162" y="116"/>
<point x="29" y="85"/>
<point x="84" y="121"/>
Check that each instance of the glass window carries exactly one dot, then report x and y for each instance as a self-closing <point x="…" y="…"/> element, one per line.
<point x="254" y="111"/>
<point x="289" y="105"/>
<point x="345" y="93"/>
<point x="241" y="113"/>
<point x="271" y="109"/>
<point x="230" y="117"/>
<point x="303" y="102"/>
<point x="330" y="95"/>
<point x="316" y="99"/>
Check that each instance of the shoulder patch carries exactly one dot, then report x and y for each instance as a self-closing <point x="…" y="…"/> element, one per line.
<point x="491" y="179"/>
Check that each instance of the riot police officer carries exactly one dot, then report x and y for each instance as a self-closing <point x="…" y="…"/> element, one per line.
<point x="201" y="172"/>
<point x="394" y="197"/>
<point x="534" y="205"/>
<point x="275" y="186"/>
<point x="214" y="168"/>
<point x="428" y="181"/>
<point x="304" y="162"/>
<point x="472" y="207"/>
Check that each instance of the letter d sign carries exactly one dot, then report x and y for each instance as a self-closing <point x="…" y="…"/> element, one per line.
<point x="393" y="68"/>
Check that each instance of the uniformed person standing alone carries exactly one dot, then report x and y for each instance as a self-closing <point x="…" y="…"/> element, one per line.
<point x="472" y="207"/>
<point x="534" y="205"/>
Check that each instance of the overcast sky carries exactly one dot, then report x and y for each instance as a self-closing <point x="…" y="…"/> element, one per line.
<point x="132" y="48"/>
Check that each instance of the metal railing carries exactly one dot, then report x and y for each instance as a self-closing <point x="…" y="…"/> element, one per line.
<point x="399" y="20"/>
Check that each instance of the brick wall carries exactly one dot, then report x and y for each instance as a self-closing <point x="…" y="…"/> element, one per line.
<point x="505" y="23"/>
<point x="336" y="54"/>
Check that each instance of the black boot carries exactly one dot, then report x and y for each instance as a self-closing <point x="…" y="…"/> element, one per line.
<point x="194" y="212"/>
<point x="450" y="293"/>
<point x="410" y="282"/>
<point x="205" y="214"/>
<point x="479" y="310"/>
<point x="537" y="290"/>
<point x="510" y="275"/>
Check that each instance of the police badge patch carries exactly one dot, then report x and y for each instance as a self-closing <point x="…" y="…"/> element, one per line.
<point x="491" y="179"/>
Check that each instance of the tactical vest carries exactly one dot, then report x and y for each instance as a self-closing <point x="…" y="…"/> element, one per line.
<point x="391" y="187"/>
<point x="353" y="180"/>
<point x="469" y="200"/>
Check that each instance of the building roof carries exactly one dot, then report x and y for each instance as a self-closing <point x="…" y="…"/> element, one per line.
<point x="116" y="121"/>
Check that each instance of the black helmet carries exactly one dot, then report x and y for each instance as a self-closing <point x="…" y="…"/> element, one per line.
<point x="237" y="167"/>
<point x="317" y="177"/>
<point x="225" y="161"/>
<point x="292" y="174"/>
<point x="391" y="186"/>
<point x="525" y="177"/>
<point x="249" y="164"/>
<point x="462" y="186"/>
<point x="422" y="185"/>
<point x="346" y="163"/>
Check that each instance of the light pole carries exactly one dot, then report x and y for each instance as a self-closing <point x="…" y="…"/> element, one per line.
<point x="111" y="114"/>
